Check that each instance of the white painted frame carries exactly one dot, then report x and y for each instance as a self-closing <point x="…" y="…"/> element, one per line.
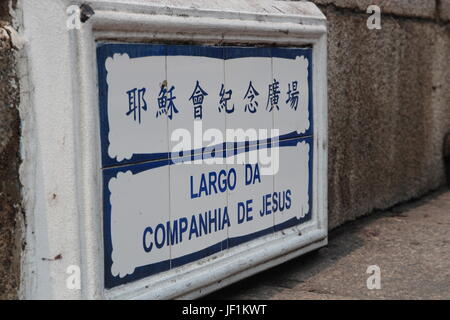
<point x="61" y="172"/>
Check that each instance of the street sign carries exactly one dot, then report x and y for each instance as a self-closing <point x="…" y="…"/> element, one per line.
<point x="203" y="148"/>
<point x="180" y="146"/>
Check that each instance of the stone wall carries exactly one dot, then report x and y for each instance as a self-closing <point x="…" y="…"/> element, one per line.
<point x="10" y="199"/>
<point x="389" y="103"/>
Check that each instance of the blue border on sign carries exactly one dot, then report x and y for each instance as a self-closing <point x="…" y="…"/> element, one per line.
<point x="143" y="162"/>
<point x="247" y="52"/>
<point x="148" y="270"/>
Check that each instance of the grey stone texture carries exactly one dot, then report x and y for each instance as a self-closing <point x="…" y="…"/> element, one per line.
<point x="407" y="8"/>
<point x="389" y="110"/>
<point x="444" y="10"/>
<point x="430" y="9"/>
<point x="10" y="198"/>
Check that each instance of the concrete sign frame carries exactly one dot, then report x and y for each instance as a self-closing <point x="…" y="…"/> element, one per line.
<point x="61" y="138"/>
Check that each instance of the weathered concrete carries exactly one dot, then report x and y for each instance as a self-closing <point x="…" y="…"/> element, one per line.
<point x="10" y="199"/>
<point x="388" y="111"/>
<point x="406" y="8"/>
<point x="410" y="243"/>
<point x="444" y="10"/>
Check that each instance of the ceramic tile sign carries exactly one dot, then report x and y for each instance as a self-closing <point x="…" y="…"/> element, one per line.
<point x="203" y="148"/>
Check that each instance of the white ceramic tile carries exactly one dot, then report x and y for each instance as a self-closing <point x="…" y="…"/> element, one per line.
<point x="184" y="72"/>
<point x="190" y="199"/>
<point x="292" y="75"/>
<point x="292" y="181"/>
<point x="136" y="130"/>
<point x="245" y="202"/>
<point x="138" y="201"/>
<point x="239" y="72"/>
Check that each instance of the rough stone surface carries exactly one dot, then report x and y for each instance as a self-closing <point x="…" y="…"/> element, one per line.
<point x="410" y="244"/>
<point x="407" y="8"/>
<point x="444" y="10"/>
<point x="10" y="199"/>
<point x="388" y="111"/>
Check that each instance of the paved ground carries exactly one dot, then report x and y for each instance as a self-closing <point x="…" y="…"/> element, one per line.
<point x="410" y="243"/>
